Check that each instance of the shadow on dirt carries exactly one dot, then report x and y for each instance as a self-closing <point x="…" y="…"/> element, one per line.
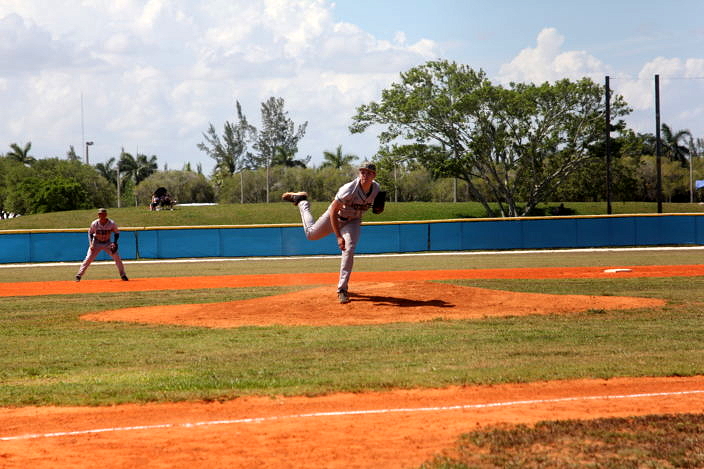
<point x="403" y="302"/>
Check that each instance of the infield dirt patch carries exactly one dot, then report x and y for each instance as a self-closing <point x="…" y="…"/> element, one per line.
<point x="372" y="303"/>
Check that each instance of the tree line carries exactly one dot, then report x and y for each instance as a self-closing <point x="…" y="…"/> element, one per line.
<point x="447" y="134"/>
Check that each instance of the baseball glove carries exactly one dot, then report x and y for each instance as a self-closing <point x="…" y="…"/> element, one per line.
<point x="113" y="248"/>
<point x="379" y="202"/>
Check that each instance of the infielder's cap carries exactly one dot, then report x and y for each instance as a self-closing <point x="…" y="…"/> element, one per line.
<point x="102" y="210"/>
<point x="368" y="165"/>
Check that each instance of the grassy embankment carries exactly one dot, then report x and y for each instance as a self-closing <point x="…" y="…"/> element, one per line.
<point x="280" y="212"/>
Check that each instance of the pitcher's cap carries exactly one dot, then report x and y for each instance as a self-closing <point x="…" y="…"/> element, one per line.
<point x="368" y="165"/>
<point x="102" y="210"/>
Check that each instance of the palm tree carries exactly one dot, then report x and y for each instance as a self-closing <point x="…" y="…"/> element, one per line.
<point x="285" y="157"/>
<point x="672" y="143"/>
<point x="337" y="160"/>
<point x="699" y="147"/>
<point x="21" y="154"/>
<point x="145" y="167"/>
<point x="137" y="169"/>
<point x="108" y="170"/>
<point x="127" y="165"/>
<point x="71" y="154"/>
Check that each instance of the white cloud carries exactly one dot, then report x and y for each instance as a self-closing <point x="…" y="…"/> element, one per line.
<point x="150" y="13"/>
<point x="547" y="62"/>
<point x="681" y="82"/>
<point x="154" y="73"/>
<point x="29" y="48"/>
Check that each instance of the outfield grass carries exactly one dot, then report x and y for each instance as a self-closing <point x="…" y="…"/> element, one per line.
<point x="49" y="356"/>
<point x="280" y="212"/>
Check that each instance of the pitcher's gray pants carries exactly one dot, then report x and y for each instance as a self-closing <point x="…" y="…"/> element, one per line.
<point x="349" y="229"/>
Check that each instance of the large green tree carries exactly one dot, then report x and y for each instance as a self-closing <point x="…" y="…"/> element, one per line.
<point x="55" y="194"/>
<point x="278" y="135"/>
<point x="511" y="145"/>
<point x="11" y="173"/>
<point x="229" y="151"/>
<point x="51" y="184"/>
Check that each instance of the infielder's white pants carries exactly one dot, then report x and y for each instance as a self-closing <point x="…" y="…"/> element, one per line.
<point x="93" y="252"/>
<point x="350" y="231"/>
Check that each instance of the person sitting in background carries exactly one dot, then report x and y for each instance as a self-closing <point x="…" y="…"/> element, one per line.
<point x="161" y="199"/>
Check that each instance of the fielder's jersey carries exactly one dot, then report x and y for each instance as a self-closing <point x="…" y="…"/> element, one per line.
<point x="101" y="233"/>
<point x="354" y="201"/>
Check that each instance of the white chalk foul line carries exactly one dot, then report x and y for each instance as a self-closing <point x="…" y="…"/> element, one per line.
<point x="345" y="413"/>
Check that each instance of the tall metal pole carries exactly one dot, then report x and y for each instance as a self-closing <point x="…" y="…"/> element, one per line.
<point x="658" y="145"/>
<point x="117" y="172"/>
<point x="136" y="156"/>
<point x="83" y="133"/>
<point x="691" y="171"/>
<point x="607" y="99"/>
<point x="241" y="187"/>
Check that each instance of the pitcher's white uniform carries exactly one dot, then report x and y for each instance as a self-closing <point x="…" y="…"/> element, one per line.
<point x="354" y="203"/>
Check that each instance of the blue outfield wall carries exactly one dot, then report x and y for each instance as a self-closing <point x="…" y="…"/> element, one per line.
<point x="21" y="246"/>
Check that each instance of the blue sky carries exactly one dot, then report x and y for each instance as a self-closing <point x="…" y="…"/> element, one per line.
<point x="154" y="73"/>
<point x="484" y="34"/>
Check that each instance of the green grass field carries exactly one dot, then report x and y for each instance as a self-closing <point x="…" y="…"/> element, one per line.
<point x="48" y="356"/>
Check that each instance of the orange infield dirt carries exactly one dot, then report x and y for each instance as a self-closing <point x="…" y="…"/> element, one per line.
<point x="394" y="429"/>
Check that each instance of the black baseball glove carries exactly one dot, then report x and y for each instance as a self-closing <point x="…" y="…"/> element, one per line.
<point x="113" y="248"/>
<point x="379" y="202"/>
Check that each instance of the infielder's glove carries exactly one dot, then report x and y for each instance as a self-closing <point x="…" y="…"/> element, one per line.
<point x="113" y="248"/>
<point x="379" y="202"/>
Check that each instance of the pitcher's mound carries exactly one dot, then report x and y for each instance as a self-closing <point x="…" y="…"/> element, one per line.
<point x="372" y="303"/>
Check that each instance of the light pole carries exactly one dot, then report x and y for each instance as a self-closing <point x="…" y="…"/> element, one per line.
<point x="87" y="145"/>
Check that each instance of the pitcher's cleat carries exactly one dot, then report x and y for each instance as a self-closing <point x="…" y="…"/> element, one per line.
<point x="294" y="197"/>
<point x="78" y="278"/>
<point x="343" y="296"/>
<point x="124" y="278"/>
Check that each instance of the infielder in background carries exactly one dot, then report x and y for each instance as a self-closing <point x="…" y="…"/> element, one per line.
<point x="99" y="240"/>
<point x="343" y="217"/>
